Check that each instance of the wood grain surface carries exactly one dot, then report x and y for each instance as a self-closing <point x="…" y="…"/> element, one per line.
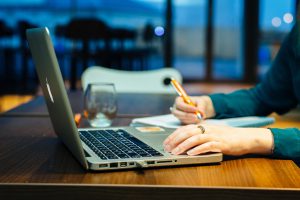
<point x="33" y="161"/>
<point x="30" y="152"/>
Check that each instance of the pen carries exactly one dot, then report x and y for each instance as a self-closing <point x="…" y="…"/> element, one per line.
<point x="181" y="92"/>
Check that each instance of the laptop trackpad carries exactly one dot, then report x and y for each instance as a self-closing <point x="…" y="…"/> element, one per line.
<point x="153" y="138"/>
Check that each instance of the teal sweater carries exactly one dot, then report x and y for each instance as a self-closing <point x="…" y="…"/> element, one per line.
<point x="279" y="92"/>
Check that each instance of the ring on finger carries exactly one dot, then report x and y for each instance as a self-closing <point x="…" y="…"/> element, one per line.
<point x="201" y="128"/>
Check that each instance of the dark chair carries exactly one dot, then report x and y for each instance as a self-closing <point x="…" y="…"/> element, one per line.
<point x="7" y="59"/>
<point x="123" y="41"/>
<point x="87" y="35"/>
<point x="5" y="30"/>
<point x="126" y="53"/>
<point x="25" y="54"/>
<point x="61" y="50"/>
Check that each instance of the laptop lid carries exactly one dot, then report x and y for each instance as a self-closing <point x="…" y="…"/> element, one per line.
<point x="53" y="87"/>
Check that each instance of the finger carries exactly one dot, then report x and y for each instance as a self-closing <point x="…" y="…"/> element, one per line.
<point x="200" y="104"/>
<point x="191" y="142"/>
<point x="181" y="136"/>
<point x="211" y="146"/>
<point x="188" y="128"/>
<point x="181" y="105"/>
<point x="185" y="117"/>
<point x="184" y="107"/>
<point x="175" y="134"/>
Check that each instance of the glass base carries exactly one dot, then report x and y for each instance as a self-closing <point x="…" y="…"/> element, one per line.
<point x="100" y="121"/>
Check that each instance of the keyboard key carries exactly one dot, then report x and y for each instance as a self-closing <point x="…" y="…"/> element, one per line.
<point x="110" y="144"/>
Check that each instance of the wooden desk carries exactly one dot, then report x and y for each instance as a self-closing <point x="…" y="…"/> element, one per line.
<point x="139" y="106"/>
<point x="35" y="164"/>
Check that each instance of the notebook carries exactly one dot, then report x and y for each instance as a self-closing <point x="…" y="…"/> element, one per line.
<point x="170" y="121"/>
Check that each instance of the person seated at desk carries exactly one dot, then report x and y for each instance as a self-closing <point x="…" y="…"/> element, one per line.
<point x="279" y="92"/>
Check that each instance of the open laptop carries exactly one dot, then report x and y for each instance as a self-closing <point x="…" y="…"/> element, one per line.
<point x="98" y="148"/>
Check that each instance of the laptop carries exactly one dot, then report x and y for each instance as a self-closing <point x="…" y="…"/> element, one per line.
<point x="109" y="148"/>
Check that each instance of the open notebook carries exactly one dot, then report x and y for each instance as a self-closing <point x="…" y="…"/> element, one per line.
<point x="169" y="121"/>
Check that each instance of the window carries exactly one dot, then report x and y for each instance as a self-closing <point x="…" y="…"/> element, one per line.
<point x="189" y="38"/>
<point x="227" y="48"/>
<point x="277" y="17"/>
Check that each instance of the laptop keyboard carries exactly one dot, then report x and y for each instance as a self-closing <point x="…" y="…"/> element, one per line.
<point x="111" y="144"/>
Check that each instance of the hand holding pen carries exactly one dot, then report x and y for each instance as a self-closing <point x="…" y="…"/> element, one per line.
<point x="181" y="92"/>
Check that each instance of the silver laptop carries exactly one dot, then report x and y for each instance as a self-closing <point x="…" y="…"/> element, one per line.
<point x="98" y="149"/>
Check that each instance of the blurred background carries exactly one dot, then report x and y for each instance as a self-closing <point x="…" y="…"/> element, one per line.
<point x="211" y="41"/>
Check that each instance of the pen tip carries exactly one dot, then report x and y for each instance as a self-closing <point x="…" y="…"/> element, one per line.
<point x="199" y="116"/>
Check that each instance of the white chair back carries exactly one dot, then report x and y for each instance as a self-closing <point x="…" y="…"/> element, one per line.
<point x="152" y="81"/>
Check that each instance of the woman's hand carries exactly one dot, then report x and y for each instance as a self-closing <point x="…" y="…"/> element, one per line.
<point x="186" y="113"/>
<point x="225" y="139"/>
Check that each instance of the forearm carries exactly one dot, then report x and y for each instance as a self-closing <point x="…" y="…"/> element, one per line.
<point x="280" y="143"/>
<point x="260" y="141"/>
<point x="237" y="104"/>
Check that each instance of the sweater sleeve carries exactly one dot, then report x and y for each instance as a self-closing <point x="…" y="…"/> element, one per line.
<point x="286" y="143"/>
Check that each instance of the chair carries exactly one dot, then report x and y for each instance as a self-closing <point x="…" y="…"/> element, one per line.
<point x="7" y="58"/>
<point x="25" y="54"/>
<point x="84" y="32"/>
<point x="153" y="81"/>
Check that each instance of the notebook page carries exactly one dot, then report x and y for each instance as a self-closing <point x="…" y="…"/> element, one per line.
<point x="170" y="121"/>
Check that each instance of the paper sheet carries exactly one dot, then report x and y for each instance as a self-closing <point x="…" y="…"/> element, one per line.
<point x="170" y="121"/>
